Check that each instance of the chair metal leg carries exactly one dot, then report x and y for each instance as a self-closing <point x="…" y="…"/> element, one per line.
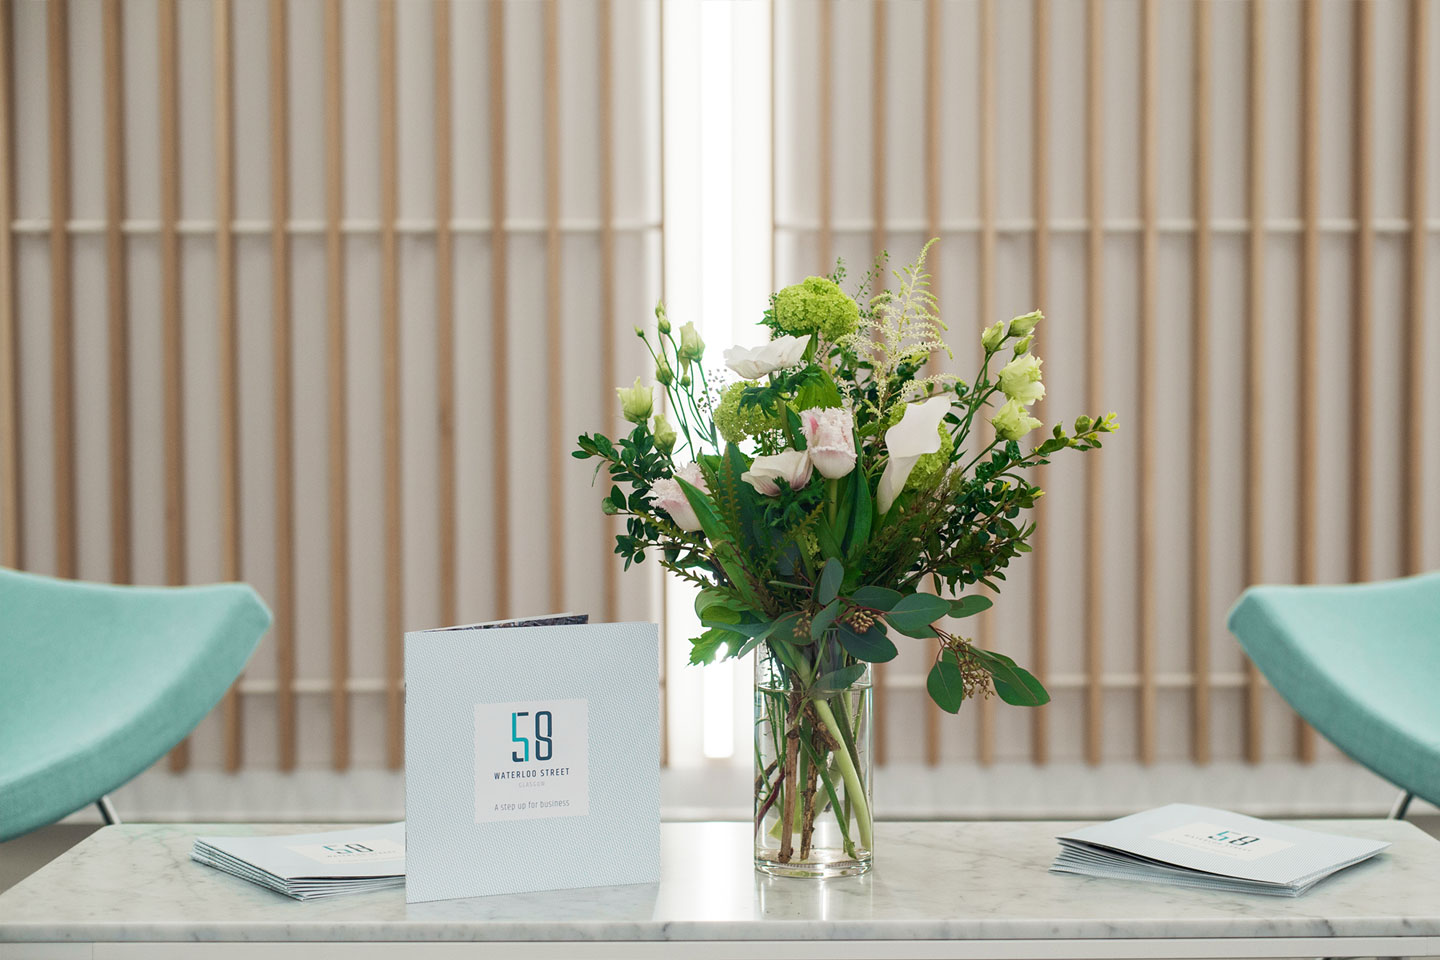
<point x="107" y="810"/>
<point x="1402" y="804"/>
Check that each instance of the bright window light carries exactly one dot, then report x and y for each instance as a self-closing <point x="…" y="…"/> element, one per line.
<point x="717" y="273"/>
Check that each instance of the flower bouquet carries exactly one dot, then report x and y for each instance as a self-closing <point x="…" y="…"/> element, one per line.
<point x="829" y="498"/>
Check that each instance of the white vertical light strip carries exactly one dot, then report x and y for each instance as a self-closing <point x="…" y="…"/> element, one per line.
<point x="717" y="274"/>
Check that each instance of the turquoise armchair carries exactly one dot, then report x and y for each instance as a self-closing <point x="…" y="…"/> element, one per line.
<point x="1361" y="664"/>
<point x="98" y="682"/>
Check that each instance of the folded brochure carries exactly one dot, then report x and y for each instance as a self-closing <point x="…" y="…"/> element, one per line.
<point x="1213" y="849"/>
<point x="313" y="865"/>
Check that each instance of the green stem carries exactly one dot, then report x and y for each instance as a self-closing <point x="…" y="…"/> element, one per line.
<point x="853" y="786"/>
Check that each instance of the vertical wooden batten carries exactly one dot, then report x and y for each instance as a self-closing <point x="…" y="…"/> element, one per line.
<point x="605" y="107"/>
<point x="933" y="714"/>
<point x="1145" y="552"/>
<point x="985" y="304"/>
<point x="61" y="320"/>
<point x="228" y="381"/>
<point x="284" y="387"/>
<point x="335" y="323"/>
<point x="826" y="184"/>
<point x="117" y="294"/>
<point x="1412" y="497"/>
<point x="1200" y="399"/>
<point x="10" y="540"/>
<point x="445" y="313"/>
<point x="1040" y="273"/>
<point x="554" y="334"/>
<point x="1094" y="371"/>
<point x="1254" y="352"/>
<point x="1363" y="291"/>
<point x="172" y="323"/>
<point x="878" y="76"/>
<point x="1306" y="348"/>
<point x="390" y="370"/>
<point x="499" y="311"/>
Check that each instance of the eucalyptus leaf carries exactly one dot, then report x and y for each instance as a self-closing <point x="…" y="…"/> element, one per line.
<point x="824" y="619"/>
<point x="916" y="612"/>
<point x="877" y="598"/>
<point x="830" y="578"/>
<point x="837" y="680"/>
<point x="1015" y="685"/>
<point x="969" y="606"/>
<point x="872" y="645"/>
<point x="946" y="685"/>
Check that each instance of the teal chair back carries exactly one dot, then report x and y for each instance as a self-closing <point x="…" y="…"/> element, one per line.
<point x="1361" y="663"/>
<point x="98" y="682"/>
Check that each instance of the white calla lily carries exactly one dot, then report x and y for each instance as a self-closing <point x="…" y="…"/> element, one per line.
<point x="754" y="363"/>
<point x="917" y="434"/>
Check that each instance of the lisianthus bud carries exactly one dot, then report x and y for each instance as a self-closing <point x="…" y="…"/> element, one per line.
<point x="692" y="348"/>
<point x="1012" y="421"/>
<point x="661" y="320"/>
<point x="638" y="332"/>
<point x="1023" y="347"/>
<point x="664" y="433"/>
<point x="1020" y="379"/>
<point x="993" y="336"/>
<point x="685" y="379"/>
<point x="663" y="373"/>
<point x="636" y="402"/>
<point x="1023" y="324"/>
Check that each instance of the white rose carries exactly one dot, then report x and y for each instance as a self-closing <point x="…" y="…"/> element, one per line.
<point x="752" y="364"/>
<point x="792" y="466"/>
<point x="830" y="440"/>
<point x="917" y="434"/>
<point x="668" y="496"/>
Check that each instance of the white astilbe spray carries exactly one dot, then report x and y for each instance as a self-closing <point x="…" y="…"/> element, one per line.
<point x="901" y="326"/>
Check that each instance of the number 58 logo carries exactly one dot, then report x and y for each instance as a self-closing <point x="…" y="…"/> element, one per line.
<point x="543" y="729"/>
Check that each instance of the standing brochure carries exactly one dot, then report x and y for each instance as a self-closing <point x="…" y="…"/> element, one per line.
<point x="532" y="757"/>
<point x="312" y="865"/>
<point x="1215" y="849"/>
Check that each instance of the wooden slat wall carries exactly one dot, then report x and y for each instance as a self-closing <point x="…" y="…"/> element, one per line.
<point x="1100" y="207"/>
<point x="286" y="494"/>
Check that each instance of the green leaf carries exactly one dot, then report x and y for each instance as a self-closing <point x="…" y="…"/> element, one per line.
<point x="872" y="645"/>
<point x="1014" y="684"/>
<point x="818" y="392"/>
<point x="752" y="629"/>
<point x="829" y="546"/>
<point x="877" y="598"/>
<point x="712" y="600"/>
<point x="916" y="612"/>
<point x="704" y="649"/>
<point x="862" y="511"/>
<point x="830" y="578"/>
<point x="969" y="606"/>
<point x="824" y="619"/>
<point x="837" y="680"/>
<point x="946" y="685"/>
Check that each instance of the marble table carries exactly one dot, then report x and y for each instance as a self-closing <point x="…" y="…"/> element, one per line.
<point x="938" y="890"/>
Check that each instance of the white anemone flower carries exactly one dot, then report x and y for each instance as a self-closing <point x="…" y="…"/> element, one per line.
<point x="754" y="363"/>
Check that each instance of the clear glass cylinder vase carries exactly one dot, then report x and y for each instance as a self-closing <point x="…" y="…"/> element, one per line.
<point x="813" y="813"/>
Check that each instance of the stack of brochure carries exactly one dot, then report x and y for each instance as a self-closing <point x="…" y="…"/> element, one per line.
<point x="313" y="865"/>
<point x="1203" y="847"/>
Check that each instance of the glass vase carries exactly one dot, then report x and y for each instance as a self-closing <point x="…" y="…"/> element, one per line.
<point x="812" y="761"/>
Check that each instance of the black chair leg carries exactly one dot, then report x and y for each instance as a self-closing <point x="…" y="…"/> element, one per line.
<point x="107" y="811"/>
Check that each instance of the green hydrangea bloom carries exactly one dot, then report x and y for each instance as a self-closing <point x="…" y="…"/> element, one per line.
<point x="816" y="304"/>
<point x="736" y="424"/>
<point x="931" y="467"/>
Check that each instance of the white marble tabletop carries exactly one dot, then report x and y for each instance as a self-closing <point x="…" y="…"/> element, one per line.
<point x="932" y="881"/>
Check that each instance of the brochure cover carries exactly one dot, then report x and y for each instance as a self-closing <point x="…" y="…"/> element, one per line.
<point x="313" y="865"/>
<point x="1204" y="847"/>
<point x="532" y="757"/>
